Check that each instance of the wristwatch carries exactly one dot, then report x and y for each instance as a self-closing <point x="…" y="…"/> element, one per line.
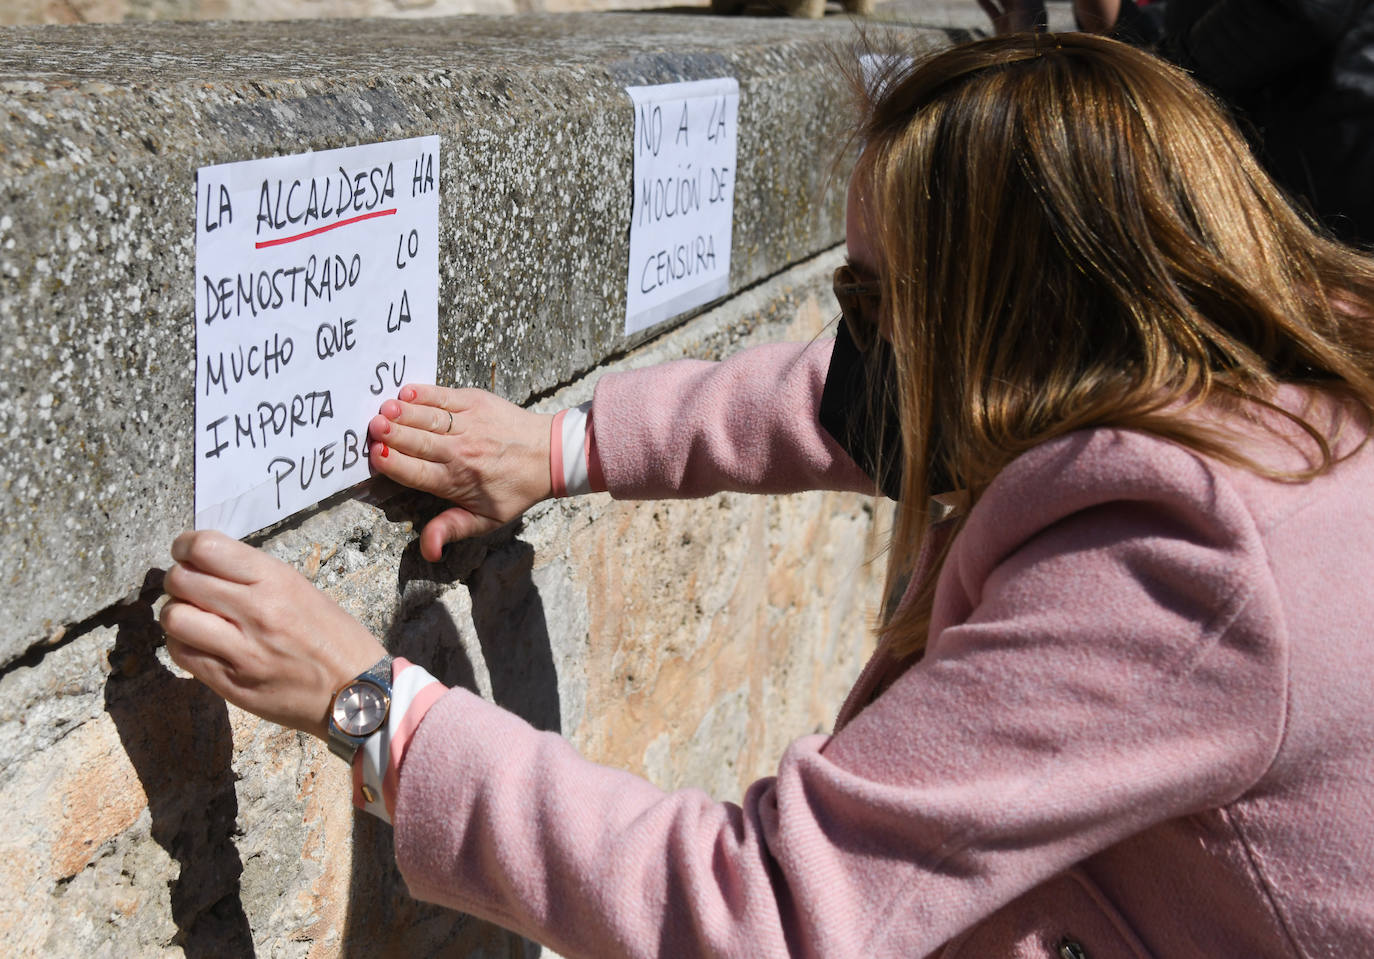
<point x="360" y="708"/>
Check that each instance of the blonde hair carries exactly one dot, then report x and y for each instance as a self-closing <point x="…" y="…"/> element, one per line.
<point x="1070" y="233"/>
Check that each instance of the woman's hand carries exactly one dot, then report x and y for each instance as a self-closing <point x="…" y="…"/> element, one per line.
<point x="1015" y="16"/>
<point x="258" y="633"/>
<point x="480" y="452"/>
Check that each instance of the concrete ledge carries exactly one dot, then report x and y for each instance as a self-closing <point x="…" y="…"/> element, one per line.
<point x="105" y="127"/>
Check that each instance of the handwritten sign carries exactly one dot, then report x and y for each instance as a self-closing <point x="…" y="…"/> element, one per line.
<point x="684" y="198"/>
<point x="317" y="289"/>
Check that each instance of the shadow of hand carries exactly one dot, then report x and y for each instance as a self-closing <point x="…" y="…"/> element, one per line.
<point x="176" y="734"/>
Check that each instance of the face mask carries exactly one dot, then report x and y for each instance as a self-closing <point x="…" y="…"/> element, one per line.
<point x="859" y="410"/>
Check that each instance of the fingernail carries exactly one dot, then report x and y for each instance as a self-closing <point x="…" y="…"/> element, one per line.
<point x="408" y="395"/>
<point x="386" y="429"/>
<point x="384" y="450"/>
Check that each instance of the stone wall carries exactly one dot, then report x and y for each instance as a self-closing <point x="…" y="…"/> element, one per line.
<point x="687" y="641"/>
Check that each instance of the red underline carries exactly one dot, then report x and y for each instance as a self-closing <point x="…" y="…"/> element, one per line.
<point x="323" y="229"/>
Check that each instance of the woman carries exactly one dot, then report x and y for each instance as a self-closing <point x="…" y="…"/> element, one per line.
<point x="1119" y="705"/>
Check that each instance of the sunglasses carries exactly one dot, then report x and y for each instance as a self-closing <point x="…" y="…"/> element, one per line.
<point x="859" y="304"/>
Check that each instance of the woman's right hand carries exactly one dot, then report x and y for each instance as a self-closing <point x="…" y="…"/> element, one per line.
<point x="1014" y="16"/>
<point x="484" y="454"/>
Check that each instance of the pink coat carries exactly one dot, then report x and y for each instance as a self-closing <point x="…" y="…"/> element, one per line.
<point x="1142" y="727"/>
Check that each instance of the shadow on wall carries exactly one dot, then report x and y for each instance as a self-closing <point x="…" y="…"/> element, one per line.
<point x="163" y="722"/>
<point x="176" y="733"/>
<point x="508" y="615"/>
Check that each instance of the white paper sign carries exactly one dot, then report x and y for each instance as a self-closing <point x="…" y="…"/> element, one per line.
<point x="317" y="288"/>
<point x="684" y="198"/>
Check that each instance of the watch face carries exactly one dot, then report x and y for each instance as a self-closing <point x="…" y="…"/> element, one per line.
<point x="360" y="708"/>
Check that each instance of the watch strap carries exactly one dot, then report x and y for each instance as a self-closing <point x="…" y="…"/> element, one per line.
<point x="380" y="673"/>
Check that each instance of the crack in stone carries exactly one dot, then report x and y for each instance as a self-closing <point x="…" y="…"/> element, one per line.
<point x="111" y="616"/>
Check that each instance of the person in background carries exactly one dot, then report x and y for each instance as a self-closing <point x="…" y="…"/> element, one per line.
<point x="1299" y="74"/>
<point x="1119" y="705"/>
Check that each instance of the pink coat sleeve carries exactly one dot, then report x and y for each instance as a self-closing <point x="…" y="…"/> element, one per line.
<point x="1109" y="656"/>
<point x="748" y="424"/>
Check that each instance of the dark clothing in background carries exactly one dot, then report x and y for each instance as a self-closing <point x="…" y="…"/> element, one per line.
<point x="1300" y="74"/>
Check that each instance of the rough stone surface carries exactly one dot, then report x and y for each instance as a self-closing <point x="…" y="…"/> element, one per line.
<point x="106" y="125"/>
<point x="146" y="818"/>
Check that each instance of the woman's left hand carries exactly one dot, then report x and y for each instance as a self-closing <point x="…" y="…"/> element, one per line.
<point x="258" y="633"/>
